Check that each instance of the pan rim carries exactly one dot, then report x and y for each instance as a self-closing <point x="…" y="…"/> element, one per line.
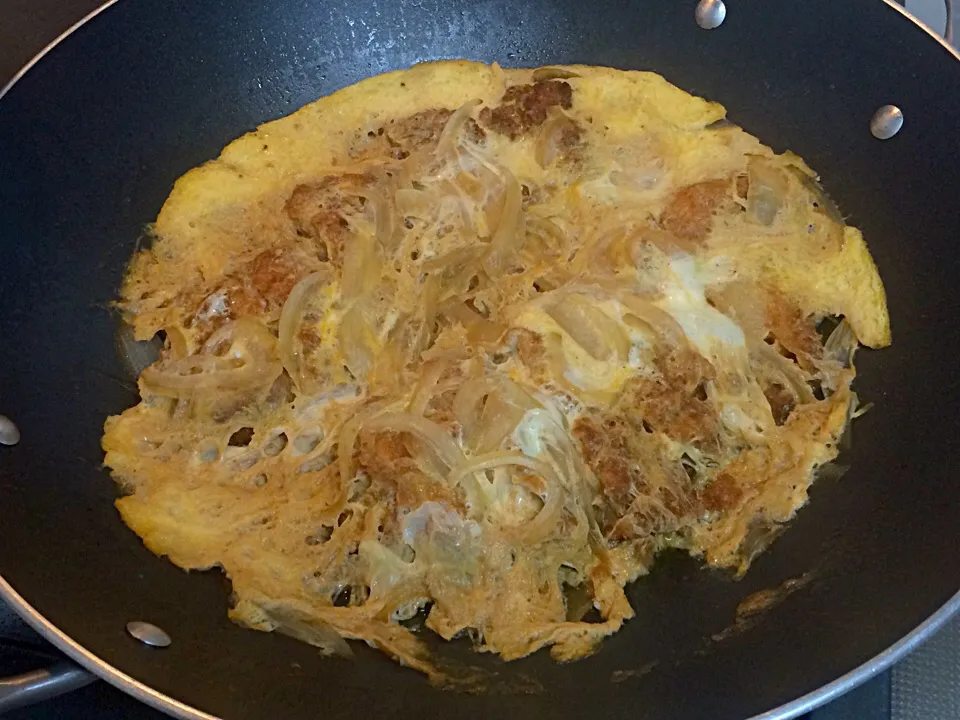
<point x="52" y="44"/>
<point x="160" y="701"/>
<point x="92" y="14"/>
<point x="102" y="669"/>
<point x="803" y="704"/>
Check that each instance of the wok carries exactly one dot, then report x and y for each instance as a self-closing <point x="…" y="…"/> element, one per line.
<point x="92" y="138"/>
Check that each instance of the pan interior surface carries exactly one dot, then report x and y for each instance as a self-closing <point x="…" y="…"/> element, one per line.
<point x="92" y="139"/>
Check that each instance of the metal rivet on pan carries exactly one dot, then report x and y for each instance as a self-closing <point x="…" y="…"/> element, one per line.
<point x="886" y="122"/>
<point x="9" y="434"/>
<point x="710" y="14"/>
<point x="148" y="634"/>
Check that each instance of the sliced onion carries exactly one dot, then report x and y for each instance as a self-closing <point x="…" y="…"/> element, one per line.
<point x="290" y="318"/>
<point x="311" y="630"/>
<point x="481" y="160"/>
<point x="459" y="312"/>
<point x="484" y="332"/>
<point x="361" y="266"/>
<point x="485" y="428"/>
<point x="785" y="371"/>
<point x="454" y="261"/>
<point x="347" y="440"/>
<point x="640" y="179"/>
<point x="450" y="136"/>
<point x="592" y="329"/>
<point x="358" y="344"/>
<point x="423" y="392"/>
<point x="498" y="420"/>
<point x="480" y="331"/>
<point x="841" y="344"/>
<point x="552" y="237"/>
<point x="383" y="219"/>
<point x="243" y="337"/>
<point x="392" y="359"/>
<point x="467" y="402"/>
<point x="174" y="384"/>
<point x="659" y="320"/>
<point x="508" y="236"/>
<point x="200" y="375"/>
<point x="432" y="435"/>
<point x="547" y="147"/>
<point x="470" y="186"/>
<point x="556" y="362"/>
<point x="552" y="495"/>
<point x="428" y="309"/>
<point x="620" y="247"/>
<point x="745" y="302"/>
<point x="768" y="188"/>
<point x="553" y="72"/>
<point x="247" y="362"/>
<point x="464" y="203"/>
<point x="471" y="393"/>
<point x="414" y="202"/>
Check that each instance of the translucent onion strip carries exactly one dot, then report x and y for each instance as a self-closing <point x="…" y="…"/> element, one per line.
<point x="592" y="329"/>
<point x="841" y="344"/>
<point x="450" y="136"/>
<point x="358" y="343"/>
<point x="546" y="520"/>
<point x="140" y="354"/>
<point x="768" y="188"/>
<point x="553" y="72"/>
<point x="311" y="630"/>
<point x="547" y="147"/>
<point x="788" y="372"/>
<point x="507" y="237"/>
<point x="383" y="219"/>
<point x="396" y="354"/>
<point x="361" y="266"/>
<point x="290" y="318"/>
<point x="240" y="356"/>
<point x="432" y="370"/>
<point x="551" y="237"/>
<point x="434" y="436"/>
<point x="480" y="331"/>
<point x="347" y="440"/>
<point x="414" y="202"/>
<point x="660" y="321"/>
<point x="498" y="420"/>
<point x="200" y="375"/>
<point x="484" y="429"/>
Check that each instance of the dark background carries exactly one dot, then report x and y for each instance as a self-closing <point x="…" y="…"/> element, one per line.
<point x="26" y="27"/>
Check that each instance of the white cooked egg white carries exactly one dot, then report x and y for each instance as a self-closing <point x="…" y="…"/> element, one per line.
<point x="709" y="330"/>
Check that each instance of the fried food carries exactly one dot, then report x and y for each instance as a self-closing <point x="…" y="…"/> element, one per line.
<point x="476" y="344"/>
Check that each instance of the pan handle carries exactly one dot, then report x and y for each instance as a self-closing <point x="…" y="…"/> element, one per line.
<point x="43" y="684"/>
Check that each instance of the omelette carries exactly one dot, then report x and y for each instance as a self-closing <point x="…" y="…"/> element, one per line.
<point x="466" y="347"/>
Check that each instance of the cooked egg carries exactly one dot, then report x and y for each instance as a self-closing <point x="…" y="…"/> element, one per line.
<point x="442" y="342"/>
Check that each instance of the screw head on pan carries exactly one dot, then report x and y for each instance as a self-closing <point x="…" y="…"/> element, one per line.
<point x="148" y="634"/>
<point x="886" y="122"/>
<point x="710" y="14"/>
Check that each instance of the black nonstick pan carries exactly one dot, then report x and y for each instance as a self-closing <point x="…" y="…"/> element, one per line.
<point x="92" y="138"/>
